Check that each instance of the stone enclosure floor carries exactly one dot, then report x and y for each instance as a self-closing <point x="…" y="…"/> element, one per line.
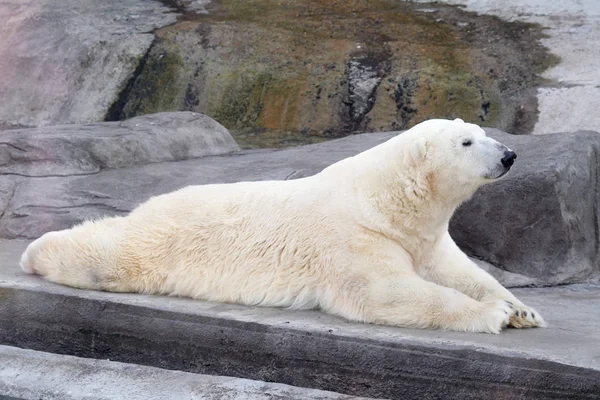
<point x="38" y="315"/>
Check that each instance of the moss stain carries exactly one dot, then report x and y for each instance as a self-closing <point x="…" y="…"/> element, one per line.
<point x="275" y="74"/>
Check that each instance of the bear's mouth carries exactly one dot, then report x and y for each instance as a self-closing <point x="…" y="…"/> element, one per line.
<point x="503" y="173"/>
<point x="495" y="177"/>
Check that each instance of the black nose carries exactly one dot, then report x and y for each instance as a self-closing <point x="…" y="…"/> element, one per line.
<point x="509" y="158"/>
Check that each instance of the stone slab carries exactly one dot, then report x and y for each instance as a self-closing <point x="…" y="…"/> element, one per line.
<point x="309" y="348"/>
<point x="68" y="150"/>
<point x="29" y="374"/>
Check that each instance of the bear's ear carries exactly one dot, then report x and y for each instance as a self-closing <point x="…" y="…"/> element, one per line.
<point x="459" y="120"/>
<point x="417" y="151"/>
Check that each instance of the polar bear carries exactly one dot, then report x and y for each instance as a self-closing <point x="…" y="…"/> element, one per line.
<point x="365" y="239"/>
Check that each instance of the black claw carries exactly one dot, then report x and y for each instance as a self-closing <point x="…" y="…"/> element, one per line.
<point x="524" y="313"/>
<point x="517" y="313"/>
<point x="505" y="313"/>
<point x="533" y="315"/>
<point x="509" y="303"/>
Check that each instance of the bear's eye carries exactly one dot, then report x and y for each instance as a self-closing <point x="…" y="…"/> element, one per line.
<point x="467" y="143"/>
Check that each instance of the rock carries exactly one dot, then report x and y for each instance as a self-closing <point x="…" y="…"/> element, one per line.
<point x="87" y="149"/>
<point x="316" y="70"/>
<point x="67" y="61"/>
<point x="508" y="279"/>
<point x="404" y="95"/>
<point x="272" y="75"/>
<point x="541" y="221"/>
<point x="537" y="226"/>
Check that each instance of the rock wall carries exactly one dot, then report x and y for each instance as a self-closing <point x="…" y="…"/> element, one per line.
<point x="542" y="221"/>
<point x="305" y="71"/>
<point x="47" y="175"/>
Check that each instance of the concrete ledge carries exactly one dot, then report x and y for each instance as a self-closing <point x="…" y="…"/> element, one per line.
<point x="310" y="349"/>
<point x="28" y="374"/>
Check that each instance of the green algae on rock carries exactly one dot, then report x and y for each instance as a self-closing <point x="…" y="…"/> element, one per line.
<point x="304" y="71"/>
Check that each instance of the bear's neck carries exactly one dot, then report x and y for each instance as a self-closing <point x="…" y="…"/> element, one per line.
<point x="407" y="204"/>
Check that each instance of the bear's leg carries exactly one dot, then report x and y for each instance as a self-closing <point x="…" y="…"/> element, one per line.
<point x="86" y="256"/>
<point x="408" y="301"/>
<point x="452" y="268"/>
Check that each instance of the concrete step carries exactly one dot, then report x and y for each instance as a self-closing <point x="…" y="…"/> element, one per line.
<point x="29" y="374"/>
<point x="309" y="348"/>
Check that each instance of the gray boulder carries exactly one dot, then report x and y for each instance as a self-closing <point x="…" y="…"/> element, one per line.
<point x="87" y="149"/>
<point x="537" y="226"/>
<point x="541" y="221"/>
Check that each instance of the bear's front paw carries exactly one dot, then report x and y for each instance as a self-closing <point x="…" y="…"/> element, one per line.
<point x="526" y="317"/>
<point x="496" y="316"/>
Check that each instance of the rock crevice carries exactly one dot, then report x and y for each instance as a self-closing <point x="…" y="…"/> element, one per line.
<point x="115" y="112"/>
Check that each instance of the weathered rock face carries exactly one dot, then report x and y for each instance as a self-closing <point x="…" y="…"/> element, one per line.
<point x="87" y="149"/>
<point x="67" y="61"/>
<point x="537" y="226"/>
<point x="303" y="71"/>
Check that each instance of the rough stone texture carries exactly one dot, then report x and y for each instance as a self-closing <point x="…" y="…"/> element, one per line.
<point x="508" y="279"/>
<point x="363" y="79"/>
<point x="67" y="61"/>
<point x="309" y="348"/>
<point x="36" y="375"/>
<point x="537" y="226"/>
<point x="87" y="149"/>
<point x="277" y="75"/>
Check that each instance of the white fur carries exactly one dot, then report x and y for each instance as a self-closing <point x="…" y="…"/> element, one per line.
<point x="366" y="239"/>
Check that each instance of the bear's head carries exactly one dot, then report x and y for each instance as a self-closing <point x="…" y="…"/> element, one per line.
<point x="458" y="157"/>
